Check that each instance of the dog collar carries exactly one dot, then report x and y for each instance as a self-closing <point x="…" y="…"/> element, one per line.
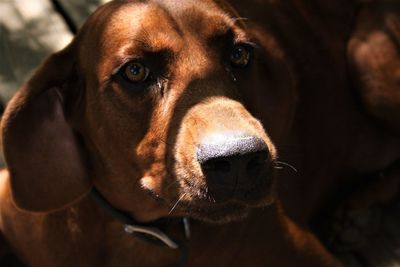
<point x="150" y="232"/>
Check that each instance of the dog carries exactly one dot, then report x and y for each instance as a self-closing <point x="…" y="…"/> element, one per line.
<point x="153" y="138"/>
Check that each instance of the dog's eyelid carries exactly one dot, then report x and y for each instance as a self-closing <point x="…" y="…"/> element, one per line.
<point x="247" y="43"/>
<point x="252" y="44"/>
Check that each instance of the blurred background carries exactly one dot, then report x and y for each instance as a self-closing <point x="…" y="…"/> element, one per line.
<point x="32" y="29"/>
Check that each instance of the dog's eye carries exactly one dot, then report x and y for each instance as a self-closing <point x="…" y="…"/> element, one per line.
<point x="135" y="72"/>
<point x="240" y="56"/>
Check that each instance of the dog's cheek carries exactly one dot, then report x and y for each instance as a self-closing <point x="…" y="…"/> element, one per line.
<point x="156" y="157"/>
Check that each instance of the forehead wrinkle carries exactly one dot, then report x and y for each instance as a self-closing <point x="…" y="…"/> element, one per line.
<point x="153" y="26"/>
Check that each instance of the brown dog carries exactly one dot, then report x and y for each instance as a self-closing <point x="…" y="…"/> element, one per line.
<point x="152" y="108"/>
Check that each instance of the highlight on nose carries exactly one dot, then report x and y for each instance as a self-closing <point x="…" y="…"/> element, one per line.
<point x="233" y="165"/>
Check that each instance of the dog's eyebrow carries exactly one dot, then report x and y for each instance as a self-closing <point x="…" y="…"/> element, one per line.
<point x="240" y="21"/>
<point x="229" y="28"/>
<point x="143" y="44"/>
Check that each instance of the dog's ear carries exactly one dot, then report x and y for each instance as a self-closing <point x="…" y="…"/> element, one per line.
<point x="374" y="57"/>
<point x="46" y="162"/>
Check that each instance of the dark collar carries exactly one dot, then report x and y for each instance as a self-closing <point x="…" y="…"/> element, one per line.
<point x="151" y="232"/>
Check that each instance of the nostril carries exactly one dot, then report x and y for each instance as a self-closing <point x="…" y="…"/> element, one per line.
<point x="217" y="165"/>
<point x="233" y="158"/>
<point x="256" y="163"/>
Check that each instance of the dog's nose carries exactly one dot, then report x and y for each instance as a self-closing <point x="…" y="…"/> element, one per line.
<point x="233" y="166"/>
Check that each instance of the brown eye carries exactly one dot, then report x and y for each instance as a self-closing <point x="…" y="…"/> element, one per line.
<point x="240" y="56"/>
<point x="135" y="72"/>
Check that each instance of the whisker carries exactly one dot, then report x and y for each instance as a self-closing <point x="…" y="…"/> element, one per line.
<point x="240" y="18"/>
<point x="288" y="165"/>
<point x="176" y="203"/>
<point x="212" y="199"/>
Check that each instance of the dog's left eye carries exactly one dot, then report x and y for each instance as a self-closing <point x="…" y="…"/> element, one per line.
<point x="135" y="72"/>
<point x="240" y="56"/>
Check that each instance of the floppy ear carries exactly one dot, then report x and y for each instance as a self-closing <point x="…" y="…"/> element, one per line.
<point x="374" y="57"/>
<point x="45" y="160"/>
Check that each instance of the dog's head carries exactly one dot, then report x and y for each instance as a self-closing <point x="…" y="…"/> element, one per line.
<point x="155" y="104"/>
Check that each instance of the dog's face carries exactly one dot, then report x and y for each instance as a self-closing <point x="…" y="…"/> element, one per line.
<point x="167" y="107"/>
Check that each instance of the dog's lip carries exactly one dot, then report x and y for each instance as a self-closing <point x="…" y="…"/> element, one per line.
<point x="198" y="200"/>
<point x="203" y="209"/>
<point x="251" y="194"/>
<point x="189" y="203"/>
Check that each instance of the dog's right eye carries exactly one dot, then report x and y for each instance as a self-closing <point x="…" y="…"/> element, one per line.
<point x="135" y="72"/>
<point x="241" y="55"/>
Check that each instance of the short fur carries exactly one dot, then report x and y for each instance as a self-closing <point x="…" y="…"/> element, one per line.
<point x="76" y="124"/>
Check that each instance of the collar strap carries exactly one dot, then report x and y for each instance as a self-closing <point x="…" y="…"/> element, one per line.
<point x="149" y="232"/>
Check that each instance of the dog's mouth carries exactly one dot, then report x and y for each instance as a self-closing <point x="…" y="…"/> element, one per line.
<point x="216" y="204"/>
<point x="222" y="204"/>
<point x="223" y="212"/>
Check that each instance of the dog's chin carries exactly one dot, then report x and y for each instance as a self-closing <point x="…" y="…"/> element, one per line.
<point x="219" y="214"/>
<point x="230" y="211"/>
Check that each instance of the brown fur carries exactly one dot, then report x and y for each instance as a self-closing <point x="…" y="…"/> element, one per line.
<point x="75" y="125"/>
